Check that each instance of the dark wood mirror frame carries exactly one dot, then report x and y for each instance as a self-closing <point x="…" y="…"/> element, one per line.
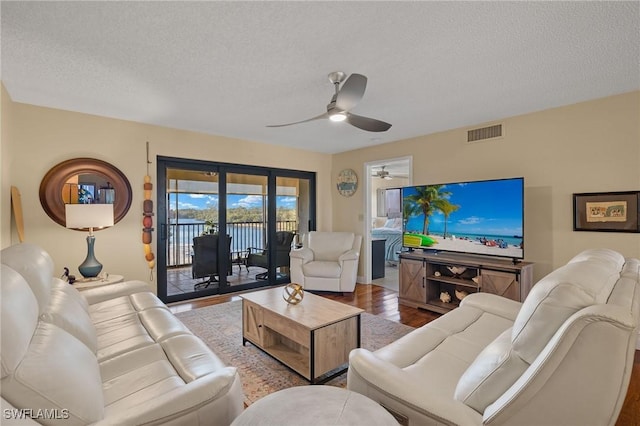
<point x="53" y="183"/>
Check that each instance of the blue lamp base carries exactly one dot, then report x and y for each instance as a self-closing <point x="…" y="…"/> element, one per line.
<point x="90" y="267"/>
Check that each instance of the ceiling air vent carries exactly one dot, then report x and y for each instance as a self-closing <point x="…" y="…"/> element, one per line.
<point x="484" y="133"/>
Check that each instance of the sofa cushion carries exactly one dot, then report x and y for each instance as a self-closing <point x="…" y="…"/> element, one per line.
<point x="191" y="357"/>
<point x="330" y="245"/>
<point x="121" y="334"/>
<point x="57" y="372"/>
<point x="66" y="312"/>
<point x="145" y="300"/>
<point x="322" y="269"/>
<point x="493" y="371"/>
<point x="38" y="271"/>
<point x="57" y="285"/>
<point x="19" y="314"/>
<point x="587" y="279"/>
<point x="162" y="324"/>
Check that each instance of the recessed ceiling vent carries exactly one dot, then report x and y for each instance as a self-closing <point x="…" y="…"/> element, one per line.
<point x="484" y="133"/>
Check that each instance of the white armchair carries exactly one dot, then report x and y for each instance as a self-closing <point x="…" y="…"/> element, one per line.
<point x="328" y="261"/>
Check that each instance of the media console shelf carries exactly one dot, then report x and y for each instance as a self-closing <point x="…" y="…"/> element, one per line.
<point x="426" y="277"/>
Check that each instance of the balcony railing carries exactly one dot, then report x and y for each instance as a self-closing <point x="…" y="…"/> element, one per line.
<point x="243" y="235"/>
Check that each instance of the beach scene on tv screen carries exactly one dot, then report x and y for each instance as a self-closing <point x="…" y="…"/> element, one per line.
<point x="483" y="217"/>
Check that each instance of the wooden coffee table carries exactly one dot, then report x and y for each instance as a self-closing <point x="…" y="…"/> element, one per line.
<point x="312" y="338"/>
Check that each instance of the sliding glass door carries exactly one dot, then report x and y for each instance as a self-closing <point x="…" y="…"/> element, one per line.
<point x="226" y="228"/>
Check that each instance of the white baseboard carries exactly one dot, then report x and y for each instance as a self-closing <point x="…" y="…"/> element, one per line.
<point x="638" y="342"/>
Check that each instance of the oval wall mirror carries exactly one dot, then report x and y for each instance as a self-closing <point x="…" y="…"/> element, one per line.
<point x="84" y="180"/>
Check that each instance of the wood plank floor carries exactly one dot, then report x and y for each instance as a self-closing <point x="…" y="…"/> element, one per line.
<point x="382" y="302"/>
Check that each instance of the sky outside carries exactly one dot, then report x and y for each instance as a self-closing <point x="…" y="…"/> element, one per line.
<point x="205" y="201"/>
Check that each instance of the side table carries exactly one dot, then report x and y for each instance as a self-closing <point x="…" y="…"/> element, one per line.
<point x="86" y="283"/>
<point x="315" y="405"/>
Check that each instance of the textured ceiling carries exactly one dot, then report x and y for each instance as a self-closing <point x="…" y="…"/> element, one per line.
<point x="230" y="68"/>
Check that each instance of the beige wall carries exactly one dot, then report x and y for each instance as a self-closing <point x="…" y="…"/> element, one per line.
<point x="41" y="138"/>
<point x="5" y="180"/>
<point x="587" y="147"/>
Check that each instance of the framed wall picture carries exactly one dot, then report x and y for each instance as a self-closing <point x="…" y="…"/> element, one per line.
<point x="607" y="211"/>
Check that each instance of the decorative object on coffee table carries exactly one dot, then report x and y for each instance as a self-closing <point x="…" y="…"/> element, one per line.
<point x="293" y="293"/>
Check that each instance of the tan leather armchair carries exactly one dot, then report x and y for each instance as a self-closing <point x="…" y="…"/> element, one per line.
<point x="328" y="261"/>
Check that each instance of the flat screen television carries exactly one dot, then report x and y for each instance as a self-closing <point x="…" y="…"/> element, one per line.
<point x="480" y="217"/>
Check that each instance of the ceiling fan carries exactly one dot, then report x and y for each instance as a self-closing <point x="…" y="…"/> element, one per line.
<point x="343" y="100"/>
<point x="383" y="174"/>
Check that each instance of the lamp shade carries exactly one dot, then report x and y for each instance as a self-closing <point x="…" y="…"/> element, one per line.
<point x="82" y="216"/>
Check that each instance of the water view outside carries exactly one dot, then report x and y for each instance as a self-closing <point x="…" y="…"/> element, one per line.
<point x="191" y="215"/>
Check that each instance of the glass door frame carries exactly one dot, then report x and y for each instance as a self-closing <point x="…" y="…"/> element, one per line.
<point x="164" y="163"/>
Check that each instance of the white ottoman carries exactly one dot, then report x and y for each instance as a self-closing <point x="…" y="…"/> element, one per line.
<point x="315" y="405"/>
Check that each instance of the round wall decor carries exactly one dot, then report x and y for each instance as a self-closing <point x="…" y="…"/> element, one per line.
<point x="347" y="182"/>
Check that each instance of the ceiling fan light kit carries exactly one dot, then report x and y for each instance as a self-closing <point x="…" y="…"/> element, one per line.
<point x="337" y="116"/>
<point x="343" y="100"/>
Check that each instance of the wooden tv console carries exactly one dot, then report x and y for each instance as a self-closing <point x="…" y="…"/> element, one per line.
<point x="424" y="277"/>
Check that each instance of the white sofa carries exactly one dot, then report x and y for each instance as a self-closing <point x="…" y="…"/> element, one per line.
<point x="113" y="355"/>
<point x="327" y="261"/>
<point x="562" y="357"/>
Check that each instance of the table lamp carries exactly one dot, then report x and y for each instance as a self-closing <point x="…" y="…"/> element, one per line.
<point x="89" y="216"/>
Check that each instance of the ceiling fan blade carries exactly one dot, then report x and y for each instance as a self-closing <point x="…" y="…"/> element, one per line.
<point x="368" y="124"/>
<point x="351" y="92"/>
<point x="324" y="115"/>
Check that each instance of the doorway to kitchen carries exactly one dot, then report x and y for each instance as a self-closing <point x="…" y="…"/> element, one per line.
<point x="225" y="227"/>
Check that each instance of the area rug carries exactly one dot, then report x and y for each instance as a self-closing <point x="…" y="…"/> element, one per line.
<point x="220" y="326"/>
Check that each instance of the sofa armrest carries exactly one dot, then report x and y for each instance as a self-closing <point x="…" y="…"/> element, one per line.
<point x="184" y="402"/>
<point x="304" y="254"/>
<point x="367" y="370"/>
<point x="111" y="291"/>
<point x="494" y="304"/>
<point x="348" y="255"/>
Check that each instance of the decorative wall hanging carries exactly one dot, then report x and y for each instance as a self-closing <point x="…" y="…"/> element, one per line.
<point x="347" y="182"/>
<point x="16" y="204"/>
<point x="607" y="211"/>
<point x="62" y="185"/>
<point x="147" y="220"/>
